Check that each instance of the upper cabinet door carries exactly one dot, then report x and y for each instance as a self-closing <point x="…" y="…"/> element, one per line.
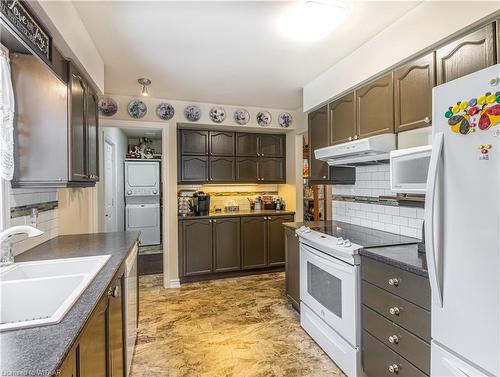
<point x="318" y="138"/>
<point x="374" y="108"/>
<point x="193" y="169"/>
<point x="194" y="142"/>
<point x="93" y="135"/>
<point x="271" y="169"/>
<point x="221" y="143"/>
<point x="413" y="85"/>
<point x="271" y="145"/>
<point x="247" y="144"/>
<point x="78" y="136"/>
<point x="221" y="169"/>
<point x="468" y="54"/>
<point x="247" y="169"/>
<point x="342" y="121"/>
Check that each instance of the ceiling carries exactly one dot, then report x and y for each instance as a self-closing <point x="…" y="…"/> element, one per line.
<point x="228" y="52"/>
<point x="135" y="133"/>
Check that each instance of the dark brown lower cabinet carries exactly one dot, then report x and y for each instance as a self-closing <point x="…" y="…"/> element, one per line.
<point x="254" y="242"/>
<point x="115" y="328"/>
<point x="91" y="349"/>
<point x="196" y="235"/>
<point x="221" y="169"/>
<point x="276" y="240"/>
<point x="292" y="281"/>
<point x="226" y="244"/>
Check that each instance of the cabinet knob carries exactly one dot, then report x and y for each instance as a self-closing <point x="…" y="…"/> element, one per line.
<point x="355" y="137"/>
<point x="393" y="281"/>
<point x="394" y="368"/>
<point x="324" y="177"/>
<point x="129" y="192"/>
<point x="427" y="120"/>
<point x="394" y="311"/>
<point x="262" y="154"/>
<point x="215" y="221"/>
<point x="209" y="221"/>
<point x="349" y="138"/>
<point x="262" y="179"/>
<point x="394" y="339"/>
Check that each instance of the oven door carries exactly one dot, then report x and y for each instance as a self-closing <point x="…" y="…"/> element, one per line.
<point x="329" y="287"/>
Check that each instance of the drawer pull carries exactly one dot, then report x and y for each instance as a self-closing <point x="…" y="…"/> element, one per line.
<point x="394" y="311"/>
<point x="394" y="339"/>
<point x="394" y="368"/>
<point x="394" y="282"/>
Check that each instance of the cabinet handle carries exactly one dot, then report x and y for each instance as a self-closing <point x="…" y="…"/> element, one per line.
<point x="393" y="281"/>
<point x="394" y="368"/>
<point x="394" y="339"/>
<point x="427" y="120"/>
<point x="349" y="138"/>
<point x="394" y="311"/>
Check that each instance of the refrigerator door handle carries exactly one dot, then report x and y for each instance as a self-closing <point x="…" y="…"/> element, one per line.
<point x="430" y="204"/>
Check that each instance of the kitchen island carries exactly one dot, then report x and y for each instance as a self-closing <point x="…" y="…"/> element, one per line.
<point x="43" y="349"/>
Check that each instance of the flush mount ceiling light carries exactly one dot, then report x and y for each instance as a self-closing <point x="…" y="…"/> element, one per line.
<point x="144" y="82"/>
<point x="312" y="20"/>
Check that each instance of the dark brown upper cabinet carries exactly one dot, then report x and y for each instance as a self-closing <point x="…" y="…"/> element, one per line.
<point x="254" y="242"/>
<point x="271" y="145"/>
<point x="318" y="138"/>
<point x="413" y="85"/>
<point x="342" y="120"/>
<point x="221" y="169"/>
<point x="193" y="168"/>
<point x="194" y="142"/>
<point x="465" y="55"/>
<point x="374" y="108"/>
<point x="226" y="244"/>
<point x="247" y="144"/>
<point x="271" y="170"/>
<point x="247" y="169"/>
<point x="196" y="236"/>
<point x="84" y="130"/>
<point x="221" y="143"/>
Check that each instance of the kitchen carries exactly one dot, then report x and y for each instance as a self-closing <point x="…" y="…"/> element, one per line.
<point x="240" y="284"/>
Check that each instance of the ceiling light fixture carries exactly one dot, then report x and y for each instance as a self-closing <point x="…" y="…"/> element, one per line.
<point x="144" y="82"/>
<point x="312" y="20"/>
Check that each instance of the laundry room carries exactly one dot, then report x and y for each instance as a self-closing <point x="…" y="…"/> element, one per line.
<point x="130" y="196"/>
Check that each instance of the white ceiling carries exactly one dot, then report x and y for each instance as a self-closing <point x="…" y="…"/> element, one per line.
<point x="151" y="133"/>
<point x="221" y="52"/>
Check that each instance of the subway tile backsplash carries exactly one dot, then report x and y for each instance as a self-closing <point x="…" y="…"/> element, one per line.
<point x="374" y="181"/>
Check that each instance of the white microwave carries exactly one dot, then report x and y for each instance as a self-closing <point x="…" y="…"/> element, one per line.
<point x="409" y="168"/>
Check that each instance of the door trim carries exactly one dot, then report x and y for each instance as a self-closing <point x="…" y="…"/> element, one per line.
<point x="111" y="142"/>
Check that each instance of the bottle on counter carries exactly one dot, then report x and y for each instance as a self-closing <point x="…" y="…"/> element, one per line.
<point x="258" y="204"/>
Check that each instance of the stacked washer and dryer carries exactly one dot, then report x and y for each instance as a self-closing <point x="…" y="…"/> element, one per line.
<point x="142" y="200"/>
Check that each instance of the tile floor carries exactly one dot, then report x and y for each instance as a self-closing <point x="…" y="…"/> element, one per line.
<point x="231" y="327"/>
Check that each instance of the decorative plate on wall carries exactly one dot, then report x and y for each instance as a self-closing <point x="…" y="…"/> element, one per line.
<point x="285" y="120"/>
<point x="192" y="113"/>
<point x="241" y="116"/>
<point x="137" y="109"/>
<point x="107" y="106"/>
<point x="165" y="111"/>
<point x="217" y="114"/>
<point x="264" y="118"/>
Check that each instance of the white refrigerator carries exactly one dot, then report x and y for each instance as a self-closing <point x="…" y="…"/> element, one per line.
<point x="462" y="226"/>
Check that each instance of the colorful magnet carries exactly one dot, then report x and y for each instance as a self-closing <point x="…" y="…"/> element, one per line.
<point x="473" y="102"/>
<point x="455" y="109"/>
<point x="472" y="110"/>
<point x="481" y="100"/>
<point x="491" y="98"/>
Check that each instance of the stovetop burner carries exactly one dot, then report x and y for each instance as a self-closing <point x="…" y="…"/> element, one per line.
<point x="366" y="237"/>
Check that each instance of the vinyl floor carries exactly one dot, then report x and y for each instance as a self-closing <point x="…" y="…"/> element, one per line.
<point x="231" y="327"/>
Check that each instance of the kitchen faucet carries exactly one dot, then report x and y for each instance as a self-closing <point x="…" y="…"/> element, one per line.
<point x="7" y="257"/>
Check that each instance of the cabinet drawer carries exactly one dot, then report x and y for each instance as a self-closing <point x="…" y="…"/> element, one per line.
<point x="398" y="339"/>
<point x="409" y="316"/>
<point x="407" y="285"/>
<point x="377" y="359"/>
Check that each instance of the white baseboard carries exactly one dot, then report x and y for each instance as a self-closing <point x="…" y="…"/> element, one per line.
<point x="175" y="283"/>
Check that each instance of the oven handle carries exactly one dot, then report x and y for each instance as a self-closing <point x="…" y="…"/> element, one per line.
<point x="328" y="260"/>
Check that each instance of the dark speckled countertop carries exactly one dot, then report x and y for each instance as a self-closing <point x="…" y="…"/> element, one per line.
<point x="43" y="348"/>
<point x="262" y="212"/>
<point x="405" y="257"/>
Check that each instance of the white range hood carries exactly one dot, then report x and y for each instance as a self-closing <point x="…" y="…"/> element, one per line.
<point x="359" y="152"/>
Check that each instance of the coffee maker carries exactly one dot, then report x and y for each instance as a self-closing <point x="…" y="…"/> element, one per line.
<point x="201" y="203"/>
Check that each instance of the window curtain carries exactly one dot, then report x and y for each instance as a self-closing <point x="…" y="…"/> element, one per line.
<point x="7" y="106"/>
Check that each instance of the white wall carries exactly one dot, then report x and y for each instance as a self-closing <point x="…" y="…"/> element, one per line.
<point x="71" y="36"/>
<point x="423" y="26"/>
<point x="118" y="137"/>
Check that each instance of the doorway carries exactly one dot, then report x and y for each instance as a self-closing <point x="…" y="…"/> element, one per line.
<point x="131" y="195"/>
